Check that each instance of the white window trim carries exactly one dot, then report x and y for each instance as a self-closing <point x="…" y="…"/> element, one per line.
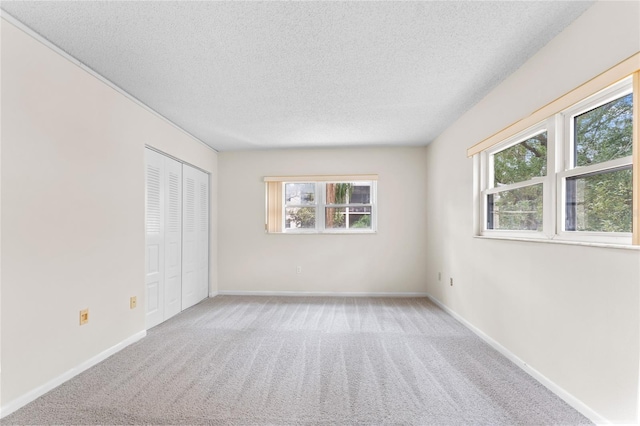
<point x="559" y="129"/>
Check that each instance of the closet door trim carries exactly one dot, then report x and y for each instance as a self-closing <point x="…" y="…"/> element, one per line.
<point x="152" y="148"/>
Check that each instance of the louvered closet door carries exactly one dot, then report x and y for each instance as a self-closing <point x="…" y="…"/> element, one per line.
<point x="195" y="236"/>
<point x="154" y="221"/>
<point x="173" y="238"/>
<point x="203" y="237"/>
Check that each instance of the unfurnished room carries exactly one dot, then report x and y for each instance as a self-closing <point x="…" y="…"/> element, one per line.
<point x="320" y="212"/>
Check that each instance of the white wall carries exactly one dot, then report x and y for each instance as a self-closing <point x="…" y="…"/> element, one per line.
<point x="72" y="212"/>
<point x="570" y="312"/>
<point x="393" y="260"/>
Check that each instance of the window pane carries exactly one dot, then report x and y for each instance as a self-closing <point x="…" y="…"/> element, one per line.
<point x="349" y="193"/>
<point x="604" y="133"/>
<point x="600" y="202"/>
<point x="300" y="193"/>
<point x="521" y="162"/>
<point x="517" y="209"/>
<point x="351" y="217"/>
<point x="300" y="217"/>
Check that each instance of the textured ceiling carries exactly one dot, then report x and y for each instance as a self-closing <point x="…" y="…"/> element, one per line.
<point x="254" y="75"/>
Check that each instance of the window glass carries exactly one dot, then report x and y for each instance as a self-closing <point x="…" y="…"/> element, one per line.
<point x="604" y="133"/>
<point x="300" y="218"/>
<point x="300" y="193"/>
<point x="349" y="193"/>
<point x="516" y="209"/>
<point x="348" y="217"/>
<point x="521" y="162"/>
<point x="600" y="202"/>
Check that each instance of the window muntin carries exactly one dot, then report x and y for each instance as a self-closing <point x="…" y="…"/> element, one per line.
<point x="585" y="192"/>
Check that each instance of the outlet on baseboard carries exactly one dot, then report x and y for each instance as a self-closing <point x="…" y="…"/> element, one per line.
<point x="451" y="282"/>
<point x="298" y="269"/>
<point x="84" y="316"/>
<point x="133" y="302"/>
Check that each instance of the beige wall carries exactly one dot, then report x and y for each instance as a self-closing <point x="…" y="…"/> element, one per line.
<point x="72" y="212"/>
<point x="570" y="312"/>
<point x="393" y="260"/>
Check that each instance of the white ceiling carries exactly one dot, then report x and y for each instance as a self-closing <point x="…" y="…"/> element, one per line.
<point x="255" y="75"/>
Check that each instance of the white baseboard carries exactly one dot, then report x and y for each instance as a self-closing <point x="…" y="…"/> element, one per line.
<point x="549" y="384"/>
<point x="320" y="293"/>
<point x="41" y="390"/>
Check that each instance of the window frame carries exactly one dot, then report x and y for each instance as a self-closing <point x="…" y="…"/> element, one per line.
<point x="348" y="230"/>
<point x="487" y="183"/>
<point x="560" y="149"/>
<point x="320" y="204"/>
<point x="568" y="170"/>
<point x="315" y="205"/>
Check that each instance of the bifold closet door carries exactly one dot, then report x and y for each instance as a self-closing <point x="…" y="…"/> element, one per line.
<point x="173" y="238"/>
<point x="163" y="293"/>
<point x="195" y="236"/>
<point x="154" y="224"/>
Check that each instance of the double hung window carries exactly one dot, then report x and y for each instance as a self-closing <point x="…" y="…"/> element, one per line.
<point x="517" y="182"/>
<point x="325" y="204"/>
<point x="568" y="177"/>
<point x="596" y="182"/>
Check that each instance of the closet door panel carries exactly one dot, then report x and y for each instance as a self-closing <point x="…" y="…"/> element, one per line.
<point x="173" y="238"/>
<point x="154" y="227"/>
<point x="189" y="237"/>
<point x="203" y="236"/>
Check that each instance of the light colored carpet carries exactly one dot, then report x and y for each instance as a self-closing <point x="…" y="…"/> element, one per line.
<point x="296" y="360"/>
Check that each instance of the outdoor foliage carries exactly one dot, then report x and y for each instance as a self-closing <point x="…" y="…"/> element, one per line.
<point x="602" y="202"/>
<point x="363" y="222"/>
<point x="301" y="217"/>
<point x="521" y="162"/>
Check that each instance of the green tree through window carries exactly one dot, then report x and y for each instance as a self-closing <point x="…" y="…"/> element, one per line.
<point x="518" y="209"/>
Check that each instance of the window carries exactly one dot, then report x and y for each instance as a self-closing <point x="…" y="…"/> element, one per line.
<point x="325" y="204"/>
<point x="568" y="177"/>
<point x="300" y="205"/>
<point x="517" y="172"/>
<point x="597" y="180"/>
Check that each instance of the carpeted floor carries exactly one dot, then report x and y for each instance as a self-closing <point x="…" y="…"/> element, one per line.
<point x="297" y="360"/>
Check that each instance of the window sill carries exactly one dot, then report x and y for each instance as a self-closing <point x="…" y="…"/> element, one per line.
<point x="565" y="242"/>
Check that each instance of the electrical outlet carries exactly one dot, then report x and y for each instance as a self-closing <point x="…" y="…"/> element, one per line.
<point x="84" y="316"/>
<point x="451" y="282"/>
<point x="133" y="302"/>
<point x="439" y="276"/>
<point x="298" y="269"/>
